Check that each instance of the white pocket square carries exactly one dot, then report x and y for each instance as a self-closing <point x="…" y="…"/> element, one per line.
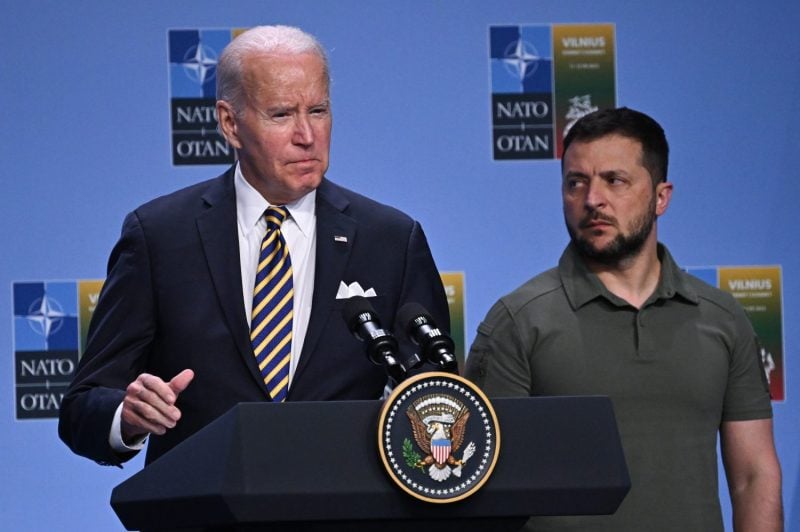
<point x="354" y="289"/>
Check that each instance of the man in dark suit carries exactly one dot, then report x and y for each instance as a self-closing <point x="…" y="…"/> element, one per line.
<point x="169" y="347"/>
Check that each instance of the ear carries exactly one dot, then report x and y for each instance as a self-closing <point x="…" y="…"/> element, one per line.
<point x="663" y="196"/>
<point x="226" y="118"/>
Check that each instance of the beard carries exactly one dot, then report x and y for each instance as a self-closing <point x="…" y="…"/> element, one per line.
<point x="623" y="246"/>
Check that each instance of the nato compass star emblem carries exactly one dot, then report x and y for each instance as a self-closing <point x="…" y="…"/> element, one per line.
<point x="200" y="63"/>
<point x="45" y="316"/>
<point x="438" y="437"/>
<point x="521" y="59"/>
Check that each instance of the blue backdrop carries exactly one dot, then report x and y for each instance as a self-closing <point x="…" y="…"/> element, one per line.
<point x="85" y="109"/>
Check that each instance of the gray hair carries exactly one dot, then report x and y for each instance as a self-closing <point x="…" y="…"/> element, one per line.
<point x="261" y="39"/>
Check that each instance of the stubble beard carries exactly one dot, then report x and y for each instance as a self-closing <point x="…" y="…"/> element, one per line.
<point x="623" y="246"/>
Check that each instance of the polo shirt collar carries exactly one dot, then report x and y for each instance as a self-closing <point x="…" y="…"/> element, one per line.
<point x="582" y="286"/>
<point x="673" y="280"/>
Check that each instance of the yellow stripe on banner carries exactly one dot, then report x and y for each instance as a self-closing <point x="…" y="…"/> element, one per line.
<point x="272" y="334"/>
<point x="263" y="323"/>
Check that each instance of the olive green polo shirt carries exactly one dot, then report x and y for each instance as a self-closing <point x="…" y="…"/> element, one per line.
<point x="674" y="370"/>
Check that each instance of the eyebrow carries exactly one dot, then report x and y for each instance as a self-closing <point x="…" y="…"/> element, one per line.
<point x="574" y="173"/>
<point x="295" y="106"/>
<point x="603" y="174"/>
<point x="613" y="173"/>
<point x="280" y="107"/>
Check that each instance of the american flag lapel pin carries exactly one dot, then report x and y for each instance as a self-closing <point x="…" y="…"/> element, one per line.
<point x="340" y="238"/>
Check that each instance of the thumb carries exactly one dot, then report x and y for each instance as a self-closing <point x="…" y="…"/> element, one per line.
<point x="180" y="381"/>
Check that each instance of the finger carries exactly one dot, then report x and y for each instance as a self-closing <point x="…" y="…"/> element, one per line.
<point x="159" y="413"/>
<point x="139" y="418"/>
<point x="157" y="386"/>
<point x="149" y="403"/>
<point x="180" y="381"/>
<point x="133" y="425"/>
<point x="150" y="392"/>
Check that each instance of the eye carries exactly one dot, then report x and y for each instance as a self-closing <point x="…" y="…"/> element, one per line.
<point x="573" y="183"/>
<point x="278" y="113"/>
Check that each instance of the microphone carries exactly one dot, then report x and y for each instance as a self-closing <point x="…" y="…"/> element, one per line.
<point x="382" y="347"/>
<point x="435" y="344"/>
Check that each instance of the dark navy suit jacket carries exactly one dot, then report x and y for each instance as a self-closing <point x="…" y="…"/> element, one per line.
<point x="173" y="300"/>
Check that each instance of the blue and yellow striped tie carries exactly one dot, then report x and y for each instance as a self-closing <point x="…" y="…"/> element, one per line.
<point x="271" y="326"/>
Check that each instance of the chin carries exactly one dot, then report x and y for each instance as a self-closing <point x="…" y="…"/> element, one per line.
<point x="309" y="183"/>
<point x="302" y="185"/>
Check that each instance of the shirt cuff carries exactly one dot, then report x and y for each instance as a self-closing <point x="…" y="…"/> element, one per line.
<point x="115" y="436"/>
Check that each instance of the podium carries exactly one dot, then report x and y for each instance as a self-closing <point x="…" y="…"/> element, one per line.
<point x="315" y="466"/>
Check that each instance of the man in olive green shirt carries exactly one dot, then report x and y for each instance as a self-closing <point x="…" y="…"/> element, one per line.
<point x="617" y="317"/>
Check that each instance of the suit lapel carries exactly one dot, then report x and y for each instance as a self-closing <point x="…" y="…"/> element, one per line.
<point x="336" y="234"/>
<point x="217" y="227"/>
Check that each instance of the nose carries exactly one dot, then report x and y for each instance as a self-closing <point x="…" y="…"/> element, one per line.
<point x="595" y="196"/>
<point x="303" y="132"/>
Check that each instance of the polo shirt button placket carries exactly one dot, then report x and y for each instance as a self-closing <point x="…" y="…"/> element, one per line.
<point x="644" y="348"/>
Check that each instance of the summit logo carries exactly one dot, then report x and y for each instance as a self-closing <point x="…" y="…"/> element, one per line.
<point x="545" y="77"/>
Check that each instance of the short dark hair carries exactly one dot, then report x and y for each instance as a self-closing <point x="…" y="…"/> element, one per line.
<point x="627" y="123"/>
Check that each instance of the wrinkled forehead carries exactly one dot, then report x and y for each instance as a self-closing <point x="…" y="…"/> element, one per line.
<point x="610" y="148"/>
<point x="278" y="66"/>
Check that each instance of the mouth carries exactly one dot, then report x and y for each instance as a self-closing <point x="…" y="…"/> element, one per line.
<point x="595" y="223"/>
<point x="304" y="161"/>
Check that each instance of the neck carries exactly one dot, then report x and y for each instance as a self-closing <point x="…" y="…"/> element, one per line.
<point x="633" y="279"/>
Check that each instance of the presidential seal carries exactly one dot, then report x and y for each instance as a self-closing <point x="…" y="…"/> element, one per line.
<point x="438" y="437"/>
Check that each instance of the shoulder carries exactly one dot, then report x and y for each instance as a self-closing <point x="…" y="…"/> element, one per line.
<point x="359" y="207"/>
<point x="178" y="211"/>
<point x="720" y="311"/>
<point x="711" y="296"/>
<point x="534" y="291"/>
<point x="192" y="198"/>
<point x="526" y="302"/>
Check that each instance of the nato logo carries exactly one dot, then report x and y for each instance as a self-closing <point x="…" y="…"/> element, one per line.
<point x="46" y="340"/>
<point x="522" y="91"/>
<point x="193" y="56"/>
<point x="522" y="59"/>
<point x="46" y="316"/>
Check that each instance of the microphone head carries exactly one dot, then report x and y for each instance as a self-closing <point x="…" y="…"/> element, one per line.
<point x="364" y="324"/>
<point x="436" y="345"/>
<point x="356" y="311"/>
<point x="413" y="315"/>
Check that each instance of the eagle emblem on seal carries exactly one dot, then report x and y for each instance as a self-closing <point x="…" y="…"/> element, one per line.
<point x="438" y="424"/>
